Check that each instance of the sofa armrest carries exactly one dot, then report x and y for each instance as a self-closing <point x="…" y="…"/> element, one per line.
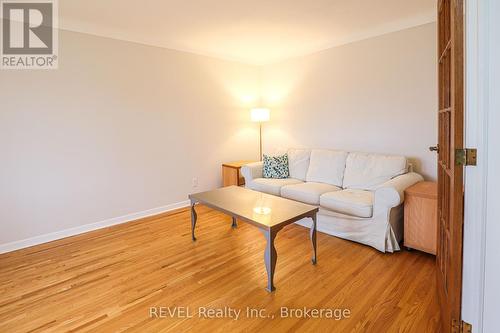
<point x="391" y="193"/>
<point x="252" y="171"/>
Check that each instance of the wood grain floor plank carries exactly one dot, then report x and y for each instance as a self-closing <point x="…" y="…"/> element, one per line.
<point x="107" y="281"/>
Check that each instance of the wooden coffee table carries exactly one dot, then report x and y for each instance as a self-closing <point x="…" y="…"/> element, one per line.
<point x="267" y="212"/>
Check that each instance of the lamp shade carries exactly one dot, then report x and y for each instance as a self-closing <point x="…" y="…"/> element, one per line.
<point x="260" y="115"/>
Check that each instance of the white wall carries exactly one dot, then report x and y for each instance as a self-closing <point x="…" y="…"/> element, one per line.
<point x="481" y="269"/>
<point x="119" y="128"/>
<point x="492" y="228"/>
<point x="377" y="95"/>
<point x="475" y="198"/>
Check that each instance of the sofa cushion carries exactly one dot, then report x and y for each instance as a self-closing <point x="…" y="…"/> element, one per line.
<point x="298" y="162"/>
<point x="366" y="171"/>
<point x="326" y="166"/>
<point x="307" y="192"/>
<point x="351" y="202"/>
<point x="271" y="185"/>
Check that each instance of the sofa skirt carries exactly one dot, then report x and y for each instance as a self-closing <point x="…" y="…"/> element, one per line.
<point x="375" y="231"/>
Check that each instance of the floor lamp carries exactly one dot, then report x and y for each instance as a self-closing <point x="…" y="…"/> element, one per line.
<point x="260" y="115"/>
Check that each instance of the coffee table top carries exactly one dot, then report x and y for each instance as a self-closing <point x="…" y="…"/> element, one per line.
<point x="261" y="209"/>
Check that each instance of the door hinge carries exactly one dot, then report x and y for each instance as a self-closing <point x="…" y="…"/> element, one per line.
<point x="460" y="326"/>
<point x="467" y="156"/>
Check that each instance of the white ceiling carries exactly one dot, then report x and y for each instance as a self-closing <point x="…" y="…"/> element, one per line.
<point x="251" y="31"/>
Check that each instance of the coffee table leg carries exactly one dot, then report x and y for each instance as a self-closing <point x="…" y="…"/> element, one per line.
<point x="270" y="257"/>
<point x="194" y="217"/>
<point x="234" y="225"/>
<point x="313" y="238"/>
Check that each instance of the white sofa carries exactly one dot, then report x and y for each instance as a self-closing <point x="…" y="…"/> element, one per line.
<point x="360" y="195"/>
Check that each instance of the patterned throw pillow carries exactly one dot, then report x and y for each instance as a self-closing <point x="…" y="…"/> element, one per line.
<point x="275" y="166"/>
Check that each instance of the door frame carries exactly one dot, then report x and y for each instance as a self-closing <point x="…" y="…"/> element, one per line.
<point x="479" y="210"/>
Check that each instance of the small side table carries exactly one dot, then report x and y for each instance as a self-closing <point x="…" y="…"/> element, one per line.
<point x="231" y="174"/>
<point x="420" y="209"/>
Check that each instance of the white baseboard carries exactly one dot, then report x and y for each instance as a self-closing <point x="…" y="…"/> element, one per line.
<point x="21" y="244"/>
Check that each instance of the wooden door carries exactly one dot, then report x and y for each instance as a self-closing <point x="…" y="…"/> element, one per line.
<point x="450" y="175"/>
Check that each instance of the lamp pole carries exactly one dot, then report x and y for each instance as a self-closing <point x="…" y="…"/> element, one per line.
<point x="260" y="140"/>
<point x="260" y="115"/>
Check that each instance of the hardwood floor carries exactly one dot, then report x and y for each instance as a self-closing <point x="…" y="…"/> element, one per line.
<point x="107" y="281"/>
